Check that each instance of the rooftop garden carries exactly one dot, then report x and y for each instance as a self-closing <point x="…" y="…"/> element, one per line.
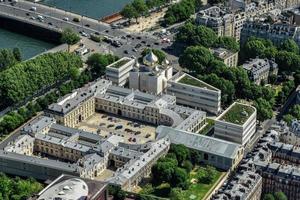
<point x="119" y="63"/>
<point x="208" y="126"/>
<point x="238" y="114"/>
<point x="194" y="82"/>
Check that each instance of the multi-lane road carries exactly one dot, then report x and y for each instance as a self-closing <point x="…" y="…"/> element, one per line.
<point x="58" y="19"/>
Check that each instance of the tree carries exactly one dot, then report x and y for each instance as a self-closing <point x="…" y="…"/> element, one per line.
<point x="295" y="111"/>
<point x="176" y="194"/>
<point x="191" y="34"/>
<point x="264" y="109"/>
<point x="7" y="58"/>
<point x="187" y="165"/>
<point x="287" y="61"/>
<point x="17" y="54"/>
<point x="195" y="59"/>
<point x="140" y="6"/>
<point x="290" y="46"/>
<point x="179" y="12"/>
<point x="268" y="197"/>
<point x="179" y="178"/>
<point x="129" y="12"/>
<point x="206" y="175"/>
<point x="229" y="43"/>
<point x="253" y="48"/>
<point x="195" y="157"/>
<point x="69" y="37"/>
<point x="162" y="171"/>
<point x="182" y="152"/>
<point x="280" y="196"/>
<point x="25" y="79"/>
<point x="288" y="119"/>
<point x="98" y="62"/>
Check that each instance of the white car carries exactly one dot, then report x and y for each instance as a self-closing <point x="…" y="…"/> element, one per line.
<point x="66" y="19"/>
<point x="33" y="9"/>
<point x="84" y="34"/>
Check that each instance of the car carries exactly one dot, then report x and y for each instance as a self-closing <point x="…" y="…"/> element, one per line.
<point x="123" y="37"/>
<point x="144" y="42"/>
<point x="137" y="133"/>
<point x="138" y="46"/>
<point x="32" y="18"/>
<point x="106" y="31"/>
<point x="125" y="51"/>
<point x="147" y="135"/>
<point x="49" y="23"/>
<point x="66" y="19"/>
<point x="138" y="37"/>
<point x="84" y="34"/>
<point x="134" y="140"/>
<point x="33" y="8"/>
<point x="27" y="14"/>
<point x="134" y="50"/>
<point x="148" y="45"/>
<point x="156" y="43"/>
<point x="119" y="127"/>
<point x="129" y="36"/>
<point x="87" y="25"/>
<point x="129" y="139"/>
<point x="110" y="125"/>
<point x="102" y="124"/>
<point x="97" y="33"/>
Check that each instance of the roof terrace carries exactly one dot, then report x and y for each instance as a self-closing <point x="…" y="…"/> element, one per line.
<point x="238" y="113"/>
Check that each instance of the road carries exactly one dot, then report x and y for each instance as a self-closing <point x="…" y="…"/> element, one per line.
<point x="53" y="18"/>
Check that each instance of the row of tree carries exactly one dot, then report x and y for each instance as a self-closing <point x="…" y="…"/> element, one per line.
<point x="9" y="57"/>
<point x="25" y="79"/>
<point x="137" y="9"/>
<point x="17" y="189"/>
<point x="286" y="54"/>
<point x="192" y="35"/>
<point x="275" y="196"/>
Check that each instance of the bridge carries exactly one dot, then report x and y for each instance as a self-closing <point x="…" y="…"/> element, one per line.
<point x="56" y="19"/>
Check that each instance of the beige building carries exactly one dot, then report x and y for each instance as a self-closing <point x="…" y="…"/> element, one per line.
<point x="150" y="77"/>
<point x="118" y="72"/>
<point x="228" y="57"/>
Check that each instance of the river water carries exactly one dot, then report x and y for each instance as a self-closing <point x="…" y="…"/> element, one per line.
<point x="91" y="8"/>
<point x="29" y="46"/>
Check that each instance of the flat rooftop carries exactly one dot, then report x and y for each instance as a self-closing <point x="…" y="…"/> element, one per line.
<point x="189" y="80"/>
<point x="237" y="113"/>
<point x="119" y="63"/>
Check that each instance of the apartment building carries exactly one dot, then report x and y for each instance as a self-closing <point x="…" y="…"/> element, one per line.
<point x="259" y="70"/>
<point x="236" y="124"/>
<point x="228" y="57"/>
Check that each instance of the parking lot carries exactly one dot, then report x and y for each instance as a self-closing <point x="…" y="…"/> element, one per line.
<point x="106" y="124"/>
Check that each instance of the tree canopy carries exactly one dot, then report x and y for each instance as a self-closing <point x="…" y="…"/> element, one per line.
<point x="24" y="79"/>
<point x="98" y="62"/>
<point x="179" y="12"/>
<point x="9" y="57"/>
<point x="69" y="37"/>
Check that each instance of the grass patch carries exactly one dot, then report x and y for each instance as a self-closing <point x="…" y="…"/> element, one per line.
<point x="199" y="190"/>
<point x="209" y="124"/>
<point x="195" y="190"/>
<point x="194" y="82"/>
<point x="238" y="114"/>
<point x="119" y="63"/>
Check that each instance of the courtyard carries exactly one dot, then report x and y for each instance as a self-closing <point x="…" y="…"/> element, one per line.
<point x="106" y="124"/>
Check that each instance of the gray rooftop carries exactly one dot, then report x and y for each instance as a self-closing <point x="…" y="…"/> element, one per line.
<point x="199" y="142"/>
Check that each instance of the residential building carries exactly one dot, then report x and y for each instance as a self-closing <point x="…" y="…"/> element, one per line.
<point x="228" y="57"/>
<point x="246" y="185"/>
<point x="150" y="77"/>
<point x="277" y="32"/>
<point x="190" y="91"/>
<point x="260" y="69"/>
<point x="291" y="135"/>
<point x="222" y="21"/>
<point x="236" y="124"/>
<point x="118" y="72"/>
<point x="218" y="153"/>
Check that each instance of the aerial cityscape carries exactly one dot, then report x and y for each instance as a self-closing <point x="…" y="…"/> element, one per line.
<point x="149" y="100"/>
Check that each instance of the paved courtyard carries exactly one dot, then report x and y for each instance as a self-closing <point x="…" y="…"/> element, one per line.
<point x="107" y="124"/>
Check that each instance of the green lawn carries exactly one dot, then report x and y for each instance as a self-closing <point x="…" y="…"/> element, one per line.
<point x="196" y="191"/>
<point x="209" y="123"/>
<point x="238" y="114"/>
<point x="194" y="82"/>
<point x="119" y="63"/>
<point x="199" y="190"/>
